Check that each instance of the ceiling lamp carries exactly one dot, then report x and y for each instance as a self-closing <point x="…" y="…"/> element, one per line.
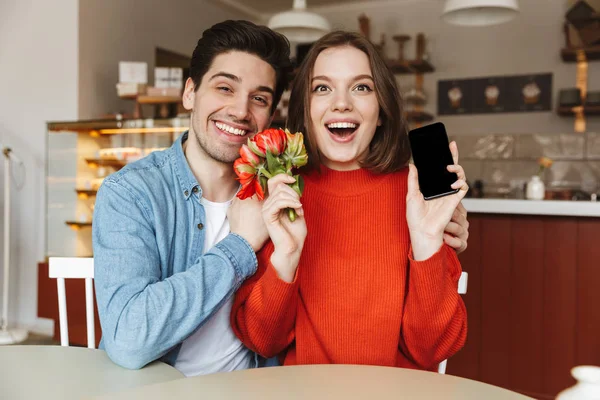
<point x="479" y="12"/>
<point x="299" y="25"/>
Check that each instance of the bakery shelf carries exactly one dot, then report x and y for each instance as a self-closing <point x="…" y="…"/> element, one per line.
<point x="85" y="193"/>
<point x="122" y="126"/>
<point x="78" y="225"/>
<point x="100" y="162"/>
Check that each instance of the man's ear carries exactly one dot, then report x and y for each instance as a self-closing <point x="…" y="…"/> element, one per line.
<point x="189" y="94"/>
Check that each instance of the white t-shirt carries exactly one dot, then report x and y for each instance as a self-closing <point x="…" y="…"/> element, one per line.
<point x="214" y="347"/>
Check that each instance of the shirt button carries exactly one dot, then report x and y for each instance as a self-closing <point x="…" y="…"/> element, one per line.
<point x="200" y="226"/>
<point x="186" y="193"/>
<point x="195" y="189"/>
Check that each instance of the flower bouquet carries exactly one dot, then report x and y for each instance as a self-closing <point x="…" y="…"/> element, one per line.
<point x="269" y="153"/>
<point x="543" y="162"/>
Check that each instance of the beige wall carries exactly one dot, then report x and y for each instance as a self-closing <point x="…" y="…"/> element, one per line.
<point x="129" y="30"/>
<point x="529" y="44"/>
<point x="38" y="77"/>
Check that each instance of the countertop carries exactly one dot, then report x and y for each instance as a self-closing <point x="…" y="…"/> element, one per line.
<point x="533" y="207"/>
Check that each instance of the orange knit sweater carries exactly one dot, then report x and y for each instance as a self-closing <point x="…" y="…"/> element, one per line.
<point x="358" y="296"/>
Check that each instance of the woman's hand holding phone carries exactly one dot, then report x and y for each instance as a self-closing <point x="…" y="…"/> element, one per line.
<point x="428" y="219"/>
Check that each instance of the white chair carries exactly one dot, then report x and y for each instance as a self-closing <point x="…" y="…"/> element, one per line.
<point x="462" y="289"/>
<point x="74" y="267"/>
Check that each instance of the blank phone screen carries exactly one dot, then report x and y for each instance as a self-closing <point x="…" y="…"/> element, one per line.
<point x="431" y="155"/>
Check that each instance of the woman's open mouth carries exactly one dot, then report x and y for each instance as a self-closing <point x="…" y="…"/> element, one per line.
<point x="342" y="131"/>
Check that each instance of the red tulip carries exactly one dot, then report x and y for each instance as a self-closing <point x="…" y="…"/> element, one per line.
<point x="248" y="156"/>
<point x="251" y="187"/>
<point x="243" y="170"/>
<point x="260" y="193"/>
<point x="273" y="140"/>
<point x="248" y="189"/>
<point x="265" y="156"/>
<point x="246" y="174"/>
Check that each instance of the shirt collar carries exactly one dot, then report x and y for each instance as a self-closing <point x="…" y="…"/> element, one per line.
<point x="187" y="180"/>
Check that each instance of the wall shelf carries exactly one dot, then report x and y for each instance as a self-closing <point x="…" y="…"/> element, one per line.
<point x="410" y="67"/>
<point x="581" y="56"/>
<point x="418" y="116"/>
<point x="587" y="110"/>
<point x="570" y="54"/>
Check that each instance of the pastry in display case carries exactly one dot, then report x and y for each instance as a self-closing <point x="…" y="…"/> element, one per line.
<point x="80" y="156"/>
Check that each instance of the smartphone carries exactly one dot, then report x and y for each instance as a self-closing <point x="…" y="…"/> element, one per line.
<point x="431" y="155"/>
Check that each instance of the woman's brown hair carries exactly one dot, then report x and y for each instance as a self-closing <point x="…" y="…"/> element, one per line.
<point x="389" y="149"/>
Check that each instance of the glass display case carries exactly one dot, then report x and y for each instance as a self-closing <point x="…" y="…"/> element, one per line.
<point x="80" y="155"/>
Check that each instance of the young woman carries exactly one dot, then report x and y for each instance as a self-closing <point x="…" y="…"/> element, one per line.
<point x="375" y="280"/>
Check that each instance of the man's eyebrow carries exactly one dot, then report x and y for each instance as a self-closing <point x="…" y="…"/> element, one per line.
<point x="266" y="89"/>
<point x="237" y="79"/>
<point x="226" y="75"/>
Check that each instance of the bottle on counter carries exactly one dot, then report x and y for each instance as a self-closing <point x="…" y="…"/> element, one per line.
<point x="477" y="190"/>
<point x="587" y="386"/>
<point x="518" y="188"/>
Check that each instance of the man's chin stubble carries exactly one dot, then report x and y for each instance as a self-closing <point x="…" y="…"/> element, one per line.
<point x="222" y="158"/>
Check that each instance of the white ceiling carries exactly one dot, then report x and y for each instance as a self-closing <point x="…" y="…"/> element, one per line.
<point x="271" y="6"/>
<point x="267" y="7"/>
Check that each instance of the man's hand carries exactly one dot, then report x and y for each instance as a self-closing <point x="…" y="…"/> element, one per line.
<point x="245" y="219"/>
<point x="456" y="232"/>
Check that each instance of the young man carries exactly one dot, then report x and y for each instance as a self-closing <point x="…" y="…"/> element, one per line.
<point x="171" y="242"/>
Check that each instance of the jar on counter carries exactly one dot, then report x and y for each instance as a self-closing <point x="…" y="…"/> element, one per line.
<point x="587" y="386"/>
<point x="536" y="189"/>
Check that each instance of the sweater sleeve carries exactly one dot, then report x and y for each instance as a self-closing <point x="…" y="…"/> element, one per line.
<point x="434" y="324"/>
<point x="263" y="314"/>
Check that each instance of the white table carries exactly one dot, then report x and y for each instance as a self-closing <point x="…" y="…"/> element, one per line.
<point x="320" y="382"/>
<point x="54" y="372"/>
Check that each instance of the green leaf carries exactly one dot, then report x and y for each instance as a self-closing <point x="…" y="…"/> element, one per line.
<point x="273" y="163"/>
<point x="298" y="186"/>
<point x="263" y="184"/>
<point x="300" y="182"/>
<point x="263" y="172"/>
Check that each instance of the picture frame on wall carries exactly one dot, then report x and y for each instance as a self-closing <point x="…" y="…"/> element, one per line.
<point x="495" y="94"/>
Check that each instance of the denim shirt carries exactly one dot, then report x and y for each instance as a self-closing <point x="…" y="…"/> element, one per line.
<point x="154" y="287"/>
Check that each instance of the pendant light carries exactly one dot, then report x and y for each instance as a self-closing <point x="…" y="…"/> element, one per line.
<point x="479" y="12"/>
<point x="299" y="25"/>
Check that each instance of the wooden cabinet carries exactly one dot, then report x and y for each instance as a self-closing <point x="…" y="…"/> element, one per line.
<point x="533" y="301"/>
